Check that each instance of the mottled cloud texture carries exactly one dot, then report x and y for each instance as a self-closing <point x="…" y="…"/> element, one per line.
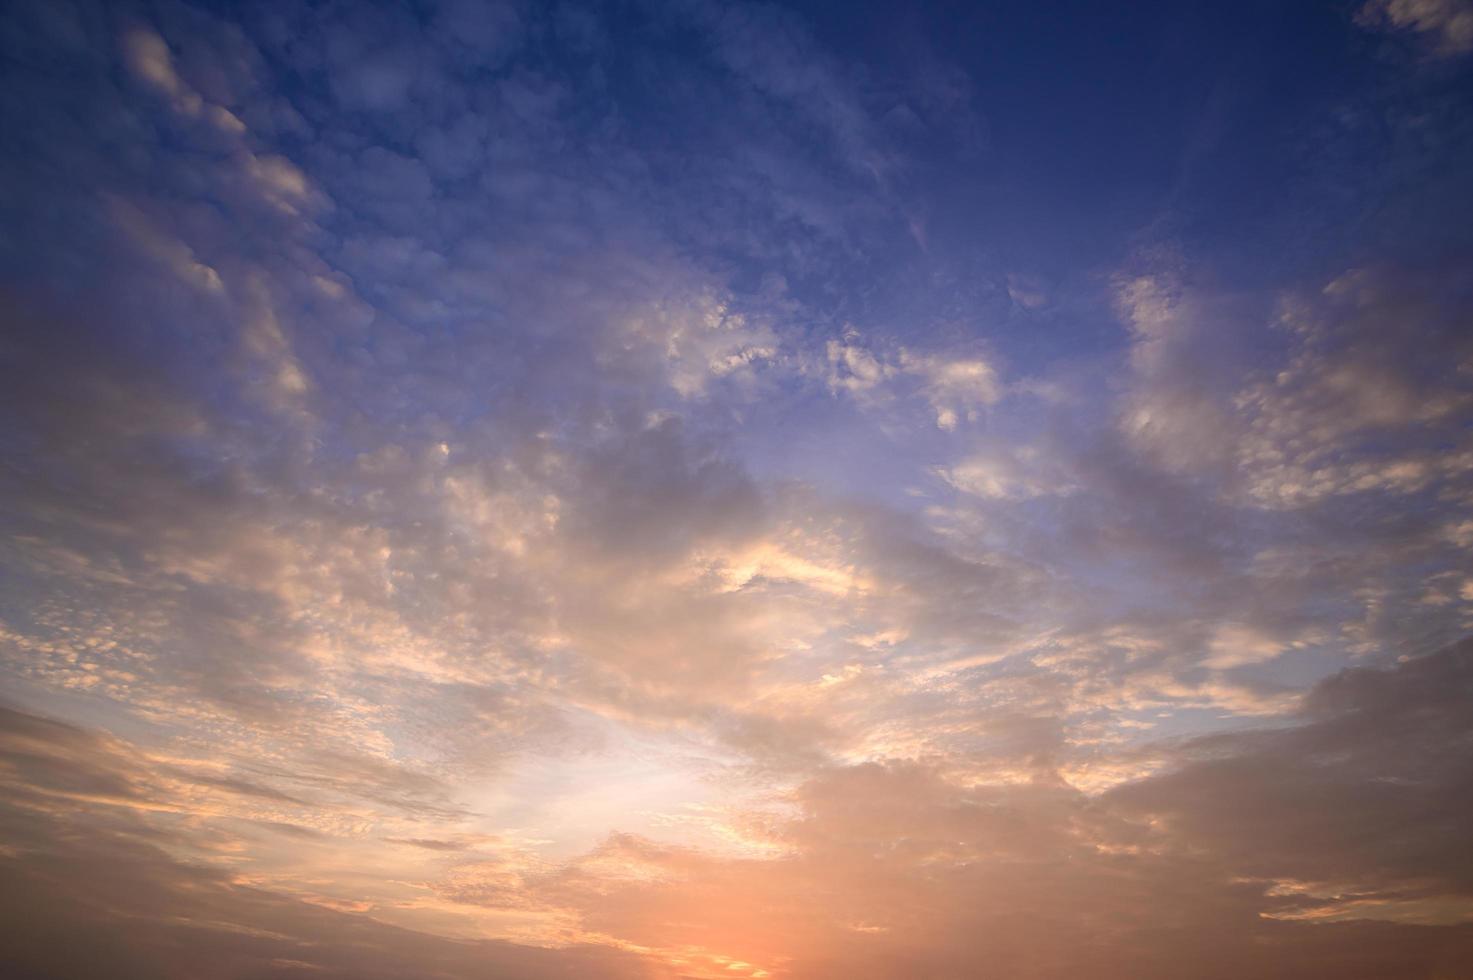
<point x="696" y="490"/>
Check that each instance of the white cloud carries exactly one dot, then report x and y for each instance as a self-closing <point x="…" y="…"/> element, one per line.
<point x="958" y="389"/>
<point x="1449" y="22"/>
<point x="1009" y="474"/>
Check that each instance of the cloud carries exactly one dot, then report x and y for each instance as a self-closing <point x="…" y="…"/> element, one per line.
<point x="958" y="388"/>
<point x="1317" y="425"/>
<point x="1335" y="810"/>
<point x="560" y="493"/>
<point x="148" y="56"/>
<point x="875" y="858"/>
<point x="1009" y="474"/>
<point x="1449" y="22"/>
<point x="879" y="857"/>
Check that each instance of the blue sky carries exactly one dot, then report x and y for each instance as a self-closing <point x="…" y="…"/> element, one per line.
<point x="699" y="489"/>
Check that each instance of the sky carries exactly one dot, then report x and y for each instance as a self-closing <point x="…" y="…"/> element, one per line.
<point x="688" y="490"/>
